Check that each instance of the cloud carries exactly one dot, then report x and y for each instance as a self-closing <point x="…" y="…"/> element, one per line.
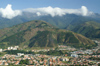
<point x="8" y="12"/>
<point x="58" y="11"/>
<point x="84" y="10"/>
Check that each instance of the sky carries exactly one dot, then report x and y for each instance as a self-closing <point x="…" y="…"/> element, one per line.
<point x="92" y="5"/>
<point x="12" y="8"/>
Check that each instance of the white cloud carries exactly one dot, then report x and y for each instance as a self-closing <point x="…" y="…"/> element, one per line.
<point x="58" y="11"/>
<point x="8" y="12"/>
<point x="84" y="10"/>
<point x="38" y="13"/>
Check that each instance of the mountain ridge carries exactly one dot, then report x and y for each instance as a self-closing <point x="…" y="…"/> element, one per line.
<point x="42" y="34"/>
<point x="89" y="29"/>
<point x="58" y="21"/>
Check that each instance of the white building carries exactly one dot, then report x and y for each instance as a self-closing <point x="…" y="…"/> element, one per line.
<point x="13" y="48"/>
<point x="20" y="54"/>
<point x="9" y="48"/>
<point x="0" y="50"/>
<point x="74" y="55"/>
<point x="64" y="59"/>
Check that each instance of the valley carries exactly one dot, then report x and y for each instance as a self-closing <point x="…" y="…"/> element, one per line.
<point x="49" y="33"/>
<point x="39" y="43"/>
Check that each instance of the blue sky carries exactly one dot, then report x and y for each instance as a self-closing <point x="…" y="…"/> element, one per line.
<point x="92" y="5"/>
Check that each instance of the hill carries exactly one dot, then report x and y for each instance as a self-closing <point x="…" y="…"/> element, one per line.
<point x="41" y="34"/>
<point x="89" y="29"/>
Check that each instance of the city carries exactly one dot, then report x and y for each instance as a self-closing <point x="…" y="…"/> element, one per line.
<point x="71" y="57"/>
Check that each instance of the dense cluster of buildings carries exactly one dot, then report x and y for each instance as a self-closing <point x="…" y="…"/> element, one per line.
<point x="47" y="60"/>
<point x="77" y="57"/>
<point x="36" y="60"/>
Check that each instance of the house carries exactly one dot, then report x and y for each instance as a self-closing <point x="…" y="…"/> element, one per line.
<point x="30" y="61"/>
<point x="65" y="55"/>
<point x="1" y="63"/>
<point x="6" y="63"/>
<point x="17" y="62"/>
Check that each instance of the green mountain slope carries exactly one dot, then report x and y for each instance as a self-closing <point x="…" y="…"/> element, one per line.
<point x="41" y="34"/>
<point x="89" y="29"/>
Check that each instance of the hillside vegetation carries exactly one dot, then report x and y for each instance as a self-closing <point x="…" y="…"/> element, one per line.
<point x="41" y="34"/>
<point x="89" y="29"/>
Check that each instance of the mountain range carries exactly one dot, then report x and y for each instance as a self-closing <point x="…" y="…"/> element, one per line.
<point x="38" y="33"/>
<point x="71" y="22"/>
<point x="31" y="30"/>
<point x="58" y="21"/>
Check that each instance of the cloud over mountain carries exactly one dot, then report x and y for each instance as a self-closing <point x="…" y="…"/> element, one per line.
<point x="58" y="11"/>
<point x="8" y="12"/>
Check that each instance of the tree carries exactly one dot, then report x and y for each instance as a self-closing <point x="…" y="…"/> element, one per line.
<point x="24" y="62"/>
